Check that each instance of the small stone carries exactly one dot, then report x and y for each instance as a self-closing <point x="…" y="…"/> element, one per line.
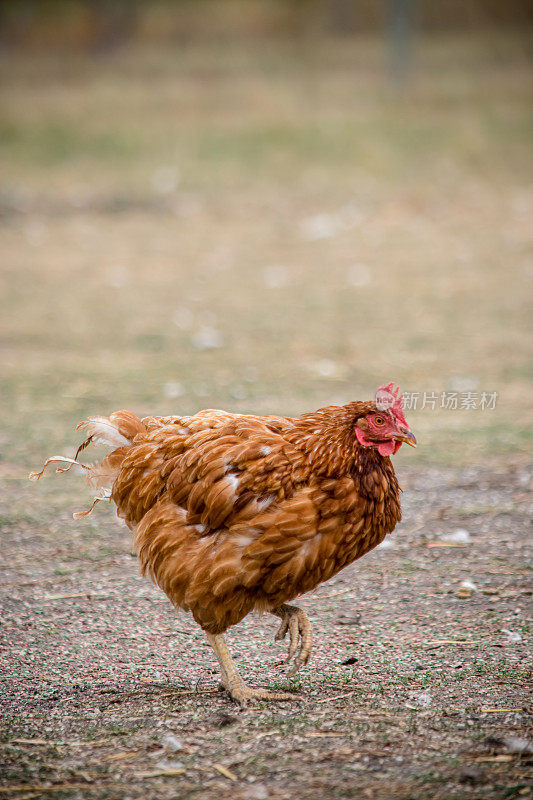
<point x="169" y="764"/>
<point x="460" y="536"/>
<point x="349" y="619"/>
<point x="221" y="719"/>
<point x="466" y="589"/>
<point x="512" y="636"/>
<point x="257" y="792"/>
<point x="515" y="744"/>
<point x="420" y="700"/>
<point x="470" y="774"/>
<point x="171" y="743"/>
<point x="386" y="544"/>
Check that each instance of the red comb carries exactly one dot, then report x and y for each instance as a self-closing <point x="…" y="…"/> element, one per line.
<point x="387" y="397"/>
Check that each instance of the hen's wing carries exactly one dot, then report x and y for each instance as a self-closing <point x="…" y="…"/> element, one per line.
<point x="213" y="466"/>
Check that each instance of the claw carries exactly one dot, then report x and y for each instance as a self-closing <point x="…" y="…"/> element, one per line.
<point x="295" y="622"/>
<point x="294" y="632"/>
<point x="282" y="630"/>
<point x="242" y="694"/>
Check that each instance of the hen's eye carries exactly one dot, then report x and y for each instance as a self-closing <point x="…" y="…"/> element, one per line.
<point x="379" y="421"/>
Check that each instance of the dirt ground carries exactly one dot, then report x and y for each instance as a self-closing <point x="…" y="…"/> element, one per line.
<point x="413" y="690"/>
<point x="270" y="229"/>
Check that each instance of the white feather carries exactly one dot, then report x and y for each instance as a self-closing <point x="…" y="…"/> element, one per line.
<point x="243" y="541"/>
<point x="265" y="502"/>
<point x="105" y="432"/>
<point x="233" y="481"/>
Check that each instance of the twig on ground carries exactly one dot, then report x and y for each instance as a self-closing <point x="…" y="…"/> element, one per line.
<point x="336" y="697"/>
<point x="225" y="772"/>
<point x="160" y="773"/>
<point x="120" y="756"/>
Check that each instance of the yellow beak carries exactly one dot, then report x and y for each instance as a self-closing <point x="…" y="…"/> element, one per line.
<point x="408" y="438"/>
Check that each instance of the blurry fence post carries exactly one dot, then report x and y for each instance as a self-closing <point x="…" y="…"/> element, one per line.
<point x="401" y="32"/>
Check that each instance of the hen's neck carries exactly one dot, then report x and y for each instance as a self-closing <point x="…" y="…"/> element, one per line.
<point x="328" y="440"/>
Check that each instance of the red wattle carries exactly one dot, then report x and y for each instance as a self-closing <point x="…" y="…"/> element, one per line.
<point x="387" y="448"/>
<point x="384" y="448"/>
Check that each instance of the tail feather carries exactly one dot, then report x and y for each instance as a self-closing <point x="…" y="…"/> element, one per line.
<point x="117" y="431"/>
<point x="34" y="476"/>
<point x="104" y="494"/>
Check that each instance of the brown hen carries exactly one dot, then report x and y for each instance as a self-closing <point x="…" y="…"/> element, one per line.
<point x="233" y="513"/>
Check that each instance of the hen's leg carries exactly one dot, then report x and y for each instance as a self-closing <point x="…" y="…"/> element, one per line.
<point x="296" y="623"/>
<point x="233" y="683"/>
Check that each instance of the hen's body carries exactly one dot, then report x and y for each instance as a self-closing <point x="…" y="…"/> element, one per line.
<point x="232" y="513"/>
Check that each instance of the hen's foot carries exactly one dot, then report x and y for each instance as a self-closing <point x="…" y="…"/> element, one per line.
<point x="242" y="694"/>
<point x="294" y="621"/>
<point x="232" y="682"/>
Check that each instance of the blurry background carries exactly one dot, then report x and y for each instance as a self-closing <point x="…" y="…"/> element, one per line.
<point x="266" y="206"/>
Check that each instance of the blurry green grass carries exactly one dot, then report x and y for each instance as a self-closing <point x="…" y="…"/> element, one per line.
<point x="192" y="174"/>
<point x="58" y="142"/>
<point x="387" y="138"/>
<point x="253" y="107"/>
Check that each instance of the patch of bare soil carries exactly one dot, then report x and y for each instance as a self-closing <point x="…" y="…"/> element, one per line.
<point x="417" y="687"/>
